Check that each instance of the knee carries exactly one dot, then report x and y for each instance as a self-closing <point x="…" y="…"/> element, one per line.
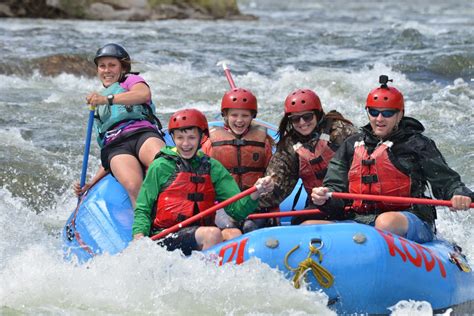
<point x="213" y="235"/>
<point x="132" y="185"/>
<point x="393" y="222"/>
<point x="231" y="233"/>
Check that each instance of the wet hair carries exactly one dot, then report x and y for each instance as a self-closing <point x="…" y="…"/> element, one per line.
<point x="126" y="65"/>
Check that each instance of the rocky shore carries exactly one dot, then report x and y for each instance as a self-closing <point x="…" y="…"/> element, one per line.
<point x="123" y="10"/>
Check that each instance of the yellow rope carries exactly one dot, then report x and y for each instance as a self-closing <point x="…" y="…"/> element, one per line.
<point x="323" y="276"/>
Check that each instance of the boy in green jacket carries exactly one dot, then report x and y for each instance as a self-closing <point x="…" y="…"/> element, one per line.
<point x="182" y="181"/>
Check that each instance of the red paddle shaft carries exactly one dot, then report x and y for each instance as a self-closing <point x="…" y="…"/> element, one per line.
<point x="205" y="213"/>
<point x="283" y="214"/>
<point x="391" y="199"/>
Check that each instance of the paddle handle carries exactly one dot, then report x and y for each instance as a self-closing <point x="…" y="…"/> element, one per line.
<point x="228" y="75"/>
<point x="205" y="213"/>
<point x="87" y="146"/>
<point x="390" y="199"/>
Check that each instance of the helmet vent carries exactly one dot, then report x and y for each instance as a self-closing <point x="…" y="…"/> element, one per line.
<point x="245" y="100"/>
<point x="385" y="98"/>
<point x="376" y="98"/>
<point x="234" y="99"/>
<point x="303" y="101"/>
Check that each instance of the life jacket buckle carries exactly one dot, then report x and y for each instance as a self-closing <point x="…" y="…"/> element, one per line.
<point x="197" y="179"/>
<point x="239" y="170"/>
<point x="316" y="160"/>
<point x="368" y="162"/>
<point x="371" y="178"/>
<point x="196" y="197"/>
<point x="239" y="142"/>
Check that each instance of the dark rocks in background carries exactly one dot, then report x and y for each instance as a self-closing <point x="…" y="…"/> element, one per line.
<point x="53" y="65"/>
<point x="123" y="10"/>
<point x="70" y="64"/>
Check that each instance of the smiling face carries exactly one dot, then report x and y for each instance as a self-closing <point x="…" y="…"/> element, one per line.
<point x="303" y="122"/>
<point x="109" y="70"/>
<point x="238" y="120"/>
<point x="187" y="141"/>
<point x="384" y="126"/>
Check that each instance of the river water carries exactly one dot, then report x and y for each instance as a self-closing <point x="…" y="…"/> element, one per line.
<point x="336" y="48"/>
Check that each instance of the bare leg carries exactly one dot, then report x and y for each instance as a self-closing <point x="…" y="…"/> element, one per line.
<point x="315" y="221"/>
<point x="394" y="222"/>
<point x="128" y="171"/>
<point x="208" y="236"/>
<point x="149" y="149"/>
<point x="230" y="233"/>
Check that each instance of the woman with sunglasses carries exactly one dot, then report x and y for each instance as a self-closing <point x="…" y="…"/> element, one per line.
<point x="308" y="140"/>
<point x="392" y="157"/>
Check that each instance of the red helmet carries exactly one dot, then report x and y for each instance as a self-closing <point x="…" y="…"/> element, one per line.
<point x="189" y="118"/>
<point x="239" y="98"/>
<point x="385" y="97"/>
<point x="302" y="100"/>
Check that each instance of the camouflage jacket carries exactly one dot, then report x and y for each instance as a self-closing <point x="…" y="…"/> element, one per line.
<point x="284" y="164"/>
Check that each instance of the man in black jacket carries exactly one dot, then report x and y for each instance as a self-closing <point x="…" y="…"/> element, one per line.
<point x="391" y="156"/>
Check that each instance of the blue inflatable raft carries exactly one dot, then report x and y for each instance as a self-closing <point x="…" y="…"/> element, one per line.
<point x="360" y="268"/>
<point x="102" y="222"/>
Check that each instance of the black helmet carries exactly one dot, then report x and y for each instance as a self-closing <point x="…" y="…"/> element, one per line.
<point x="112" y="50"/>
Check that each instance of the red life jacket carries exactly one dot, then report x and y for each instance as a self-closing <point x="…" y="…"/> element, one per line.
<point x="187" y="193"/>
<point x="314" y="164"/>
<point x="244" y="157"/>
<point x="376" y="174"/>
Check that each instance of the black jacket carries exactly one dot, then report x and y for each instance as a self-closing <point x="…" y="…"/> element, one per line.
<point x="413" y="154"/>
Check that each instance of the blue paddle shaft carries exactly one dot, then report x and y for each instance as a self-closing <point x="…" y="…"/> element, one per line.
<point x="87" y="147"/>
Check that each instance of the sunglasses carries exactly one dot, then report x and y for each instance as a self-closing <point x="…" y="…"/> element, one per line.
<point x="307" y="117"/>
<point x="385" y="113"/>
